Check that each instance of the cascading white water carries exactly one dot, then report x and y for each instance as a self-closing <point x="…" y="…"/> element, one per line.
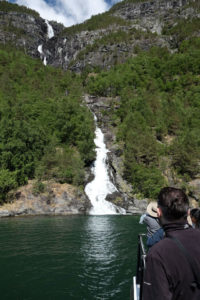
<point x="101" y="186"/>
<point x="50" y="31"/>
<point x="42" y="55"/>
<point x="40" y="49"/>
<point x="50" y="34"/>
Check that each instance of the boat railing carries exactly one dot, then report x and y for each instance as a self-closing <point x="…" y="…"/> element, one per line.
<point x="141" y="265"/>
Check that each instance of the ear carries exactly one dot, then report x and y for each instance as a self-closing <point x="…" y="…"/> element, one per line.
<point x="159" y="212"/>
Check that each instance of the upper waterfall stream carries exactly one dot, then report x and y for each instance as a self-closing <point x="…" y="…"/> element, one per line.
<point x="101" y="186"/>
<point x="50" y="30"/>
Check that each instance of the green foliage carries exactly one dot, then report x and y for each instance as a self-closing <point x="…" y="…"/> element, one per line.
<point x="36" y="115"/>
<point x="147" y="181"/>
<point x="182" y="30"/>
<point x="63" y="165"/>
<point x="159" y="95"/>
<point x="7" y="182"/>
<point x="100" y="21"/>
<point x="38" y="187"/>
<point x="7" y="7"/>
<point x="185" y="153"/>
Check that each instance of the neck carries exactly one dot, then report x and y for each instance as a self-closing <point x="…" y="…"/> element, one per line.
<point x="164" y="221"/>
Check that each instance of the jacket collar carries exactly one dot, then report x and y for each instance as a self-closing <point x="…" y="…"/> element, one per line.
<point x="178" y="225"/>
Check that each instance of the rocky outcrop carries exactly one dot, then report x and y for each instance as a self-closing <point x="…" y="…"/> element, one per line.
<point x="57" y="199"/>
<point x="153" y="15"/>
<point x="140" y="9"/>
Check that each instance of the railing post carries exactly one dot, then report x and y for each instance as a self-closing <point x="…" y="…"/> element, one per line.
<point x="141" y="255"/>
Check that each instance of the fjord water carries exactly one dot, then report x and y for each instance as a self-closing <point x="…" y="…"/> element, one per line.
<point x="73" y="257"/>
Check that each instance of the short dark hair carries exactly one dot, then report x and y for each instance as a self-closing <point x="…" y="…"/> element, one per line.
<point x="173" y="202"/>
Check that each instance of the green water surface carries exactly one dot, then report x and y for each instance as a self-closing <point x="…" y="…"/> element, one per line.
<point x="73" y="257"/>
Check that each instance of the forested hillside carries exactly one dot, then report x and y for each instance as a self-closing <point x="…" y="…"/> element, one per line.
<point x="45" y="132"/>
<point x="158" y="118"/>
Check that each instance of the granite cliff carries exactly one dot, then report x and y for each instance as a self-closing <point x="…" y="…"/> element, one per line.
<point x="116" y="35"/>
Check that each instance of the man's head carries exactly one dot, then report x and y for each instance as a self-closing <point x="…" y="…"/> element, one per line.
<point x="173" y="204"/>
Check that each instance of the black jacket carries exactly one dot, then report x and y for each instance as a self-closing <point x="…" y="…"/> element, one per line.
<point x="168" y="274"/>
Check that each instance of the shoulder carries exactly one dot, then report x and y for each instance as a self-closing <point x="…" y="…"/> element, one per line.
<point x="160" y="249"/>
<point x="148" y="218"/>
<point x="190" y="239"/>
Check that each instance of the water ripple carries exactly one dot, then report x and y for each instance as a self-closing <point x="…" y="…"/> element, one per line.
<point x="68" y="257"/>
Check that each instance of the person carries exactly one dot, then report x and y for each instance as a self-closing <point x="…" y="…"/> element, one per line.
<point x="150" y="218"/>
<point x="172" y="264"/>
<point x="195" y="217"/>
<point x="154" y="230"/>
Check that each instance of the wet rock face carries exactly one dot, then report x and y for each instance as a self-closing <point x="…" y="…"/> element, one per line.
<point x="65" y="49"/>
<point x="23" y="30"/>
<point x="124" y="196"/>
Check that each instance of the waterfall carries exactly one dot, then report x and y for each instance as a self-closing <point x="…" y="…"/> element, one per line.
<point x="50" y="34"/>
<point x="50" y="31"/>
<point x="101" y="186"/>
<point x="42" y="55"/>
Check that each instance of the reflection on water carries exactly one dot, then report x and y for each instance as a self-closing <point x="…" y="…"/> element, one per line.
<point x="105" y="254"/>
<point x="83" y="258"/>
<point x="99" y="249"/>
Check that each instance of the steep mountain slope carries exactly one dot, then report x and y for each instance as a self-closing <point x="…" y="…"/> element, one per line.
<point x="104" y="40"/>
<point x="140" y="61"/>
<point x="114" y="36"/>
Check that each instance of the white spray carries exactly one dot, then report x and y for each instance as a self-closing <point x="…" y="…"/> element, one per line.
<point x="101" y="186"/>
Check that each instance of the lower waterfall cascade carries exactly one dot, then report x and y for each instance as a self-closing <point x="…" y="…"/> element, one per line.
<point x="101" y="185"/>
